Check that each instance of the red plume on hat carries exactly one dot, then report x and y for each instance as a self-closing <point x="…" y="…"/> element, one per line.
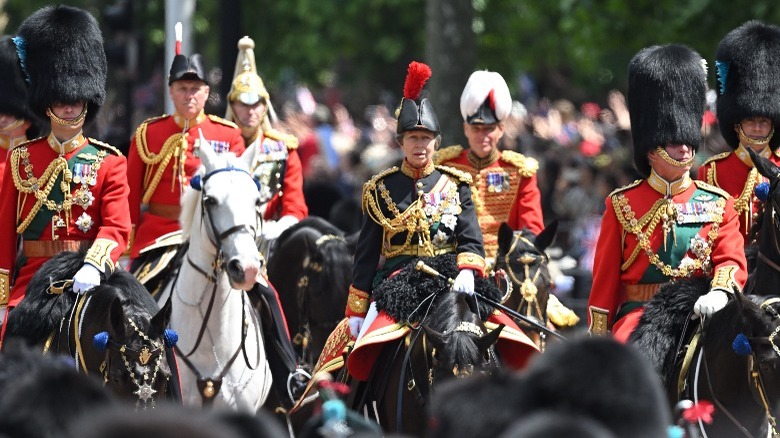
<point x="416" y="76"/>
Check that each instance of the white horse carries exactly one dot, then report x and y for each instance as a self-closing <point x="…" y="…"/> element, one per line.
<point x="220" y="352"/>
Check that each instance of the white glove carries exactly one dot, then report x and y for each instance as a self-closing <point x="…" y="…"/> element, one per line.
<point x="273" y="229"/>
<point x="87" y="278"/>
<point x="355" y="323"/>
<point x="710" y="303"/>
<point x="464" y="282"/>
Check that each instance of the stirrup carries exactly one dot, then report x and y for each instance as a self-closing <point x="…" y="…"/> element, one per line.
<point x="297" y="372"/>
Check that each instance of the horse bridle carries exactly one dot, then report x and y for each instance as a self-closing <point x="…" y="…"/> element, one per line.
<point x="144" y="356"/>
<point x="528" y="287"/>
<point x="145" y="391"/>
<point x="209" y="387"/>
<point x="303" y="337"/>
<point x="755" y="373"/>
<point x="774" y="224"/>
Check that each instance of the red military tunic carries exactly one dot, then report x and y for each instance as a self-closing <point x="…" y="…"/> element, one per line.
<point x="62" y="201"/>
<point x="734" y="172"/>
<point x="277" y="166"/>
<point x="504" y="189"/>
<point x="159" y="165"/>
<point x="705" y="240"/>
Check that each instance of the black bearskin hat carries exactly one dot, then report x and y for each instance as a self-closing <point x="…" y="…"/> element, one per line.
<point x="61" y="52"/>
<point x="188" y="69"/>
<point x="12" y="85"/>
<point x="415" y="113"/>
<point x="747" y="62"/>
<point x="667" y="86"/>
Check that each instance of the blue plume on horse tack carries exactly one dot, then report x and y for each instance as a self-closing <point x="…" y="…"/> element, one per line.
<point x="100" y="341"/>
<point x="171" y="338"/>
<point x="762" y="191"/>
<point x="741" y="345"/>
<point x="195" y="183"/>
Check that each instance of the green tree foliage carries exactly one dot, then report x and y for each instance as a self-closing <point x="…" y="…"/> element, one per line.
<point x="572" y="48"/>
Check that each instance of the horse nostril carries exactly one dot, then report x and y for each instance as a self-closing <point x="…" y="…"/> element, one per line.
<point x="234" y="268"/>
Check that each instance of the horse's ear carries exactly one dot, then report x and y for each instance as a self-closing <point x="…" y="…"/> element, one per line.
<point x="117" y="318"/>
<point x="206" y="152"/>
<point x="160" y="320"/>
<point x="505" y="235"/>
<point x="489" y="339"/>
<point x="248" y="157"/>
<point x="764" y="166"/>
<point x="545" y="238"/>
<point x="436" y="338"/>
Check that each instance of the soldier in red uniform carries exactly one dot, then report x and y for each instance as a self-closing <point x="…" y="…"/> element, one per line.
<point x="748" y="114"/>
<point x="15" y="116"/>
<point x="276" y="164"/>
<point x="505" y="187"/>
<point x="666" y="226"/>
<point x="161" y="160"/>
<point x="63" y="191"/>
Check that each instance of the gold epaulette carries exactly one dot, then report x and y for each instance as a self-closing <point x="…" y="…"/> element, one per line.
<point x="715" y="158"/>
<point x="104" y="145"/>
<point x="25" y="143"/>
<point x="625" y="187"/>
<point x="447" y="154"/>
<point x="289" y="140"/>
<point x="526" y="166"/>
<point x="152" y="120"/>
<point x="225" y="122"/>
<point x="712" y="189"/>
<point x="370" y="185"/>
<point x="461" y="175"/>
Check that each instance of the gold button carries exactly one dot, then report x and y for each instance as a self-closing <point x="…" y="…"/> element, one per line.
<point x="420" y="193"/>
<point x="419" y="184"/>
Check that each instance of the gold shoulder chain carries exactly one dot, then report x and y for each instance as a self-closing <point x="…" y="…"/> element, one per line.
<point x="174" y="146"/>
<point x="627" y="219"/>
<point x="742" y="203"/>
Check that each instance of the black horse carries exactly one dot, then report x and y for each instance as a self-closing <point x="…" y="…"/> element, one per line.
<point x="732" y="359"/>
<point x="446" y="338"/>
<point x="115" y="330"/>
<point x="311" y="269"/>
<point x="765" y="279"/>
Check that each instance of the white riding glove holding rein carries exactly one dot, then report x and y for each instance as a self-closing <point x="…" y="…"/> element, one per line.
<point x="355" y="323"/>
<point x="85" y="279"/>
<point x="273" y="229"/>
<point x="464" y="282"/>
<point x="711" y="302"/>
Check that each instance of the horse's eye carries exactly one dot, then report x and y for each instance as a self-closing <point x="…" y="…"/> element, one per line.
<point x="208" y="200"/>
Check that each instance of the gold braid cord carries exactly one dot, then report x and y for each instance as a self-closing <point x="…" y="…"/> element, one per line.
<point x="42" y="186"/>
<point x="742" y="203"/>
<point x="5" y="286"/>
<point x="627" y="219"/>
<point x="175" y="146"/>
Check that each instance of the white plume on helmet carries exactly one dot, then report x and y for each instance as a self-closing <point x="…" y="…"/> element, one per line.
<point x="478" y="88"/>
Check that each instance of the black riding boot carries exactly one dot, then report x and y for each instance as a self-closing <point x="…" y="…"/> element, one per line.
<point x="288" y="378"/>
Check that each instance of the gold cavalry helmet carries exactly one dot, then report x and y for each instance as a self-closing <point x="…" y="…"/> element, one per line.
<point x="247" y="87"/>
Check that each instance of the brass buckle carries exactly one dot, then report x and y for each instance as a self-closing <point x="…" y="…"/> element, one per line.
<point x="57" y="287"/>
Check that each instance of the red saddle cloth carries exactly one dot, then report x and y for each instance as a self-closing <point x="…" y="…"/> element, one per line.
<point x="514" y="347"/>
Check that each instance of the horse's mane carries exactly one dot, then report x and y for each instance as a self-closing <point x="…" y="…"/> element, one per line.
<point x="317" y="223"/>
<point x="336" y="261"/>
<point x="40" y="313"/>
<point x="404" y="295"/>
<point x="664" y="320"/>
